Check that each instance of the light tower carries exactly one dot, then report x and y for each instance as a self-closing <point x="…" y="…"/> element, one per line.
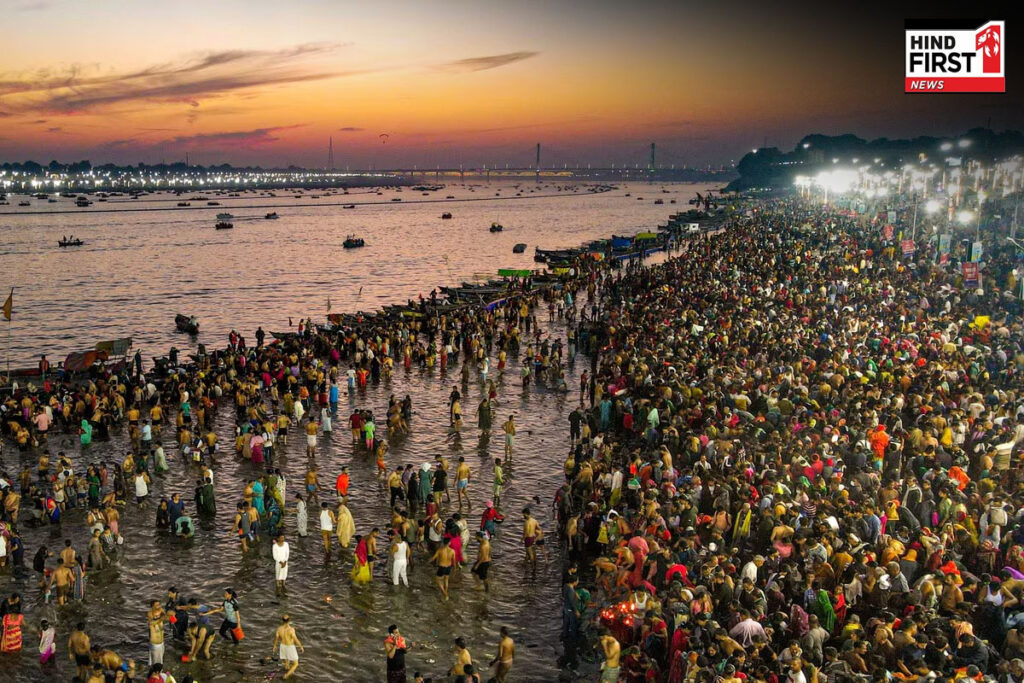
<point x="537" y="169"/>
<point x="330" y="154"/>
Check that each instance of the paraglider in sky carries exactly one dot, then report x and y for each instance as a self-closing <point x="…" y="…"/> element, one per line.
<point x="384" y="138"/>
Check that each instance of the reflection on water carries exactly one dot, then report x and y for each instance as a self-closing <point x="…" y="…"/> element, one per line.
<point x="138" y="269"/>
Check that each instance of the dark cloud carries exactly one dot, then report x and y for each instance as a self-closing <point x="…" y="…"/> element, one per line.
<point x="124" y="142"/>
<point x="350" y="129"/>
<point x="489" y="62"/>
<point x="235" y="138"/>
<point x="74" y="90"/>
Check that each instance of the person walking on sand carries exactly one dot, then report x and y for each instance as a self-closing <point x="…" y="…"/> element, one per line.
<point x="288" y="646"/>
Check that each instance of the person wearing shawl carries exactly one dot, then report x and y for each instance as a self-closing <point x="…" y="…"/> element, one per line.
<point x="741" y="527"/>
<point x="361" y="565"/>
<point x="346" y="526"/>
<point x="824" y="610"/>
<point x="85" y="435"/>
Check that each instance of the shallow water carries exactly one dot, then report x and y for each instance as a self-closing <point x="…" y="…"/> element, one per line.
<point x="138" y="268"/>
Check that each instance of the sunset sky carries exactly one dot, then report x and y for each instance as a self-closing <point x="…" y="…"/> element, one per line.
<point x="456" y="81"/>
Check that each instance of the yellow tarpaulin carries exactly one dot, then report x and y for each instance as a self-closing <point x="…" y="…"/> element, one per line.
<point x="981" y="321"/>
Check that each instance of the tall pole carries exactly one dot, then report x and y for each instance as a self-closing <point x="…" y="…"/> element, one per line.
<point x="538" y="163"/>
<point x="8" y="354"/>
<point x="913" y="230"/>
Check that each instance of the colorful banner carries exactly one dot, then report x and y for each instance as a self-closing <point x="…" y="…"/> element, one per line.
<point x="970" y="275"/>
<point x="976" y="252"/>
<point x="908" y="247"/>
<point x="887" y="232"/>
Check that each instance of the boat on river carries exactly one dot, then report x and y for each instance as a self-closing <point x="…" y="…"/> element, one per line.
<point x="186" y="323"/>
<point x="496" y="227"/>
<point x="74" y="242"/>
<point x="271" y="216"/>
<point x="224" y="225"/>
<point x="519" y="248"/>
<point x="353" y="242"/>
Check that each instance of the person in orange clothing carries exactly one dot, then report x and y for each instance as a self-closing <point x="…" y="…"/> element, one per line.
<point x="341" y="484"/>
<point x="879" y="440"/>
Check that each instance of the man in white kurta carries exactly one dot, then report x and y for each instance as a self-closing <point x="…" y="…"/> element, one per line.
<point x="281" y="552"/>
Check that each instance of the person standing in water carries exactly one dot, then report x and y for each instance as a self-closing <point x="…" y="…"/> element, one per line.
<point x="462" y="475"/>
<point x="444" y="558"/>
<point x="509" y="427"/>
<point x="79" y="649"/>
<point x="506" y="655"/>
<point x="327" y="522"/>
<point x="483" y="561"/>
<point x="281" y="551"/>
<point x="285" y="643"/>
<point x="400" y="556"/>
<point x="156" y="617"/>
<point x="395" y="647"/>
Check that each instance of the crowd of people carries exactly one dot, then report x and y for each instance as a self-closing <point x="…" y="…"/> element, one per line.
<point x="170" y="417"/>
<point x="797" y="458"/>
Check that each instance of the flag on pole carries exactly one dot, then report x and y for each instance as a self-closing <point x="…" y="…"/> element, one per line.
<point x="8" y="305"/>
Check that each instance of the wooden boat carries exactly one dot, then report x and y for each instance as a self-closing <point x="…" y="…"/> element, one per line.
<point x="186" y="324"/>
<point x="353" y="242"/>
<point x="224" y="225"/>
<point x="446" y="216"/>
<point x="184" y="204"/>
<point x="224" y="216"/>
<point x="271" y="216"/>
<point x="519" y="248"/>
<point x="496" y="227"/>
<point x="70" y="243"/>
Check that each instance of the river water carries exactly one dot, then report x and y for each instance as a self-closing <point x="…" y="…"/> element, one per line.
<point x="140" y="267"/>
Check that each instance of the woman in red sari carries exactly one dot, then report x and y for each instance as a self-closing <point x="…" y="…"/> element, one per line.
<point x="13" y="622"/>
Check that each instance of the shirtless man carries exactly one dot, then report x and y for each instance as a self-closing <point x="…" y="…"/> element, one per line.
<point x="506" y="654"/>
<point x="462" y="475"/>
<point x="483" y="561"/>
<point x="285" y="643"/>
<point x="63" y="580"/>
<point x="510" y="435"/>
<point x="156" y="616"/>
<point x="531" y="529"/>
<point x="610" y="668"/>
<point x="68" y="554"/>
<point x="462" y="658"/>
<point x="444" y="558"/>
<point x="79" y="648"/>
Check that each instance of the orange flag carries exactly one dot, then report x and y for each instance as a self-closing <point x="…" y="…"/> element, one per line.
<point x="8" y="305"/>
